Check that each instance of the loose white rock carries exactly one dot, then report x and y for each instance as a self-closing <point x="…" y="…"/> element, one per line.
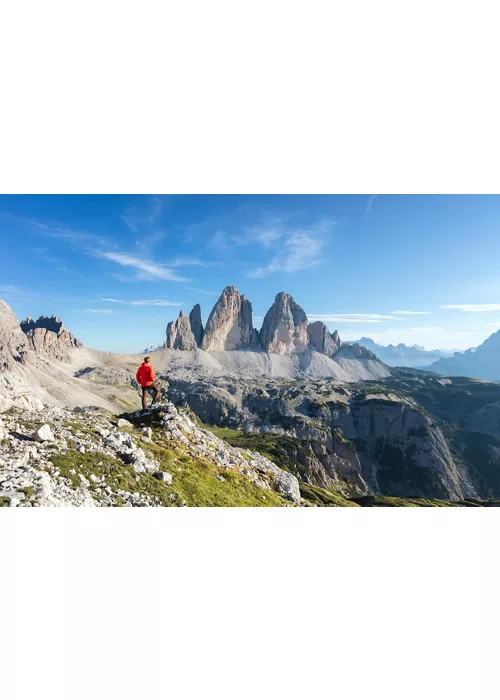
<point x="43" y="434"/>
<point x="164" y="476"/>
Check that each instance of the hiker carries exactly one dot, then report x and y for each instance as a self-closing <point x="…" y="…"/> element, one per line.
<point x="146" y="378"/>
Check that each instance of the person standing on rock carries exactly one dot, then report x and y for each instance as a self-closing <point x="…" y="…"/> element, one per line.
<point x="145" y="377"/>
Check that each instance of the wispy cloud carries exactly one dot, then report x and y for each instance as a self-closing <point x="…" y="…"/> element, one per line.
<point x="97" y="311"/>
<point x="10" y="290"/>
<point x="493" y="324"/>
<point x="298" y="250"/>
<point x="143" y="302"/>
<point x="412" y="313"/>
<point x="193" y="262"/>
<point x="472" y="308"/>
<point x="147" y="269"/>
<point x="77" y="238"/>
<point x="370" y="204"/>
<point x="353" y="318"/>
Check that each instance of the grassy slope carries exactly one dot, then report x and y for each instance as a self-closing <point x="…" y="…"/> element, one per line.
<point x="195" y="481"/>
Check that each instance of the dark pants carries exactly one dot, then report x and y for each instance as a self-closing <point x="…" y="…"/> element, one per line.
<point x="153" y="390"/>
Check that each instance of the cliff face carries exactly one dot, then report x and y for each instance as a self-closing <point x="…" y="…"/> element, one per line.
<point x="361" y="438"/>
<point x="180" y="335"/>
<point x="48" y="336"/>
<point x="229" y="326"/>
<point x="284" y="330"/>
<point x="196" y="324"/>
<point x="14" y="346"/>
<point x="322" y="340"/>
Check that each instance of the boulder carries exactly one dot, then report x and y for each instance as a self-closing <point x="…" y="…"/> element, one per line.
<point x="122" y="423"/>
<point x="43" y="434"/>
<point x="164" y="476"/>
<point x="288" y="486"/>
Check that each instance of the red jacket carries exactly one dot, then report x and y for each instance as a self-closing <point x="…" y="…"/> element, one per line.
<point x="145" y="375"/>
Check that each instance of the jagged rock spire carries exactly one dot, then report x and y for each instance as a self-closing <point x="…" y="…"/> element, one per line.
<point x="196" y="324"/>
<point x="180" y="335"/>
<point x="284" y="330"/>
<point x="229" y="326"/>
<point x="322" y="340"/>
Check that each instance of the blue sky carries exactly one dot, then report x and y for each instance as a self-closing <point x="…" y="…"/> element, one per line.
<point x="412" y="268"/>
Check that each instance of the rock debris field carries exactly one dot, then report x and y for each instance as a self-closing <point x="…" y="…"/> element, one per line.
<point x="87" y="457"/>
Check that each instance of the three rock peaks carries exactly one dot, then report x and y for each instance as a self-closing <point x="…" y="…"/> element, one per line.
<point x="285" y="329"/>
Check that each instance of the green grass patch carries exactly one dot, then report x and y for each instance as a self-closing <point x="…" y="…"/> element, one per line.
<point x="323" y="497"/>
<point x="197" y="483"/>
<point x="371" y="501"/>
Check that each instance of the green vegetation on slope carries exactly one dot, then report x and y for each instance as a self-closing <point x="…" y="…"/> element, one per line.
<point x="196" y="482"/>
<point x="283" y="450"/>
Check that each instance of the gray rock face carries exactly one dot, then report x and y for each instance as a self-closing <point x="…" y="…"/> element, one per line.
<point x="180" y="335"/>
<point x="229" y="326"/>
<point x="356" y="351"/>
<point x="14" y="347"/>
<point x="48" y="336"/>
<point x="171" y="333"/>
<point x="288" y="485"/>
<point x="284" y="330"/>
<point x="196" y="324"/>
<point x="184" y="338"/>
<point x="351" y="439"/>
<point x="52" y="324"/>
<point x="321" y="339"/>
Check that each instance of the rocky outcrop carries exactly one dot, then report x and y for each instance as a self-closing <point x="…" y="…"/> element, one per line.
<point x="90" y="459"/>
<point x="180" y="335"/>
<point x="48" y="336"/>
<point x="196" y="324"/>
<point x="184" y="338"/>
<point x="229" y="326"/>
<point x="284" y="330"/>
<point x="322" y="340"/>
<point x="14" y="347"/>
<point x="171" y="333"/>
<point x="356" y="351"/>
<point x="352" y="439"/>
<point x="53" y="324"/>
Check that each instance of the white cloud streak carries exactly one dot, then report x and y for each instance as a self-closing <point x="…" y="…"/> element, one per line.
<point x="97" y="311"/>
<point x="353" y="318"/>
<point x="147" y="269"/>
<point x="192" y="262"/>
<point x="143" y="302"/>
<point x="412" y="313"/>
<point x="472" y="308"/>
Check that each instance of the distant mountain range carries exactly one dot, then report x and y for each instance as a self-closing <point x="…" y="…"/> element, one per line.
<point x="482" y="362"/>
<point x="402" y="355"/>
